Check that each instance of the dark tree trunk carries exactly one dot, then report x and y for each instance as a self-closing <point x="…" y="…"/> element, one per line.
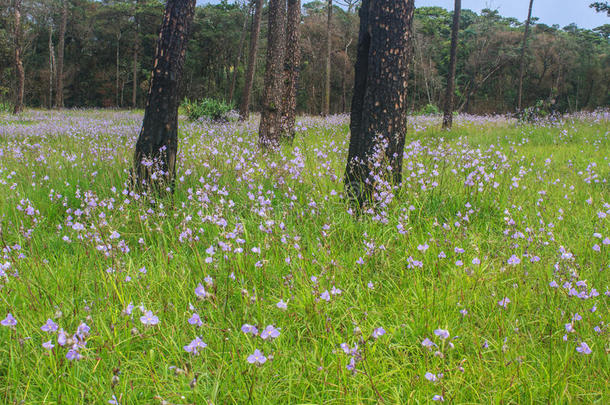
<point x="157" y="145"/>
<point x="270" y="131"/>
<point x="448" y="116"/>
<point x="242" y="39"/>
<point x="19" y="71"/>
<point x="136" y="49"/>
<point x="51" y="62"/>
<point x="522" y="57"/>
<point x="329" y="15"/>
<point x="244" y="107"/>
<point x="117" y="75"/>
<point x="292" y="61"/>
<point x="378" y="121"/>
<point x="59" y="92"/>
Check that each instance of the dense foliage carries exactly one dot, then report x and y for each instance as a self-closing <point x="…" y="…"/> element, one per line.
<point x="569" y="64"/>
<point x="210" y="109"/>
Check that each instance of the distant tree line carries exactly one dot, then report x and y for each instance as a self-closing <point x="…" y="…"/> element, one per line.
<point x="85" y="53"/>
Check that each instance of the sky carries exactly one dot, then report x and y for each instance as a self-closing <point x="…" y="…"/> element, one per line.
<point x="562" y="12"/>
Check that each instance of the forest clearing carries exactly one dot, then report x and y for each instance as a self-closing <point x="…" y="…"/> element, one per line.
<point x="483" y="279"/>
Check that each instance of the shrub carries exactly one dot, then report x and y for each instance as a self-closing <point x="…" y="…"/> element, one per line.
<point x="210" y="109"/>
<point x="429" y="109"/>
<point x="6" y="106"/>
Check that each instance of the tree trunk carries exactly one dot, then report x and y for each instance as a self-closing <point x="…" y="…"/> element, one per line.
<point x="51" y="62"/>
<point x="448" y="116"/>
<point x="522" y="57"/>
<point x="59" y="92"/>
<point x="244" y="107"/>
<point x="118" y="47"/>
<point x="269" y="132"/>
<point x="19" y="71"/>
<point x="136" y="49"/>
<point x="242" y="39"/>
<point x="329" y="16"/>
<point x="378" y="121"/>
<point x="157" y="145"/>
<point x="292" y="61"/>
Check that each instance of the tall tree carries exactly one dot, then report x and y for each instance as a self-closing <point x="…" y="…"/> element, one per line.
<point x="59" y="92"/>
<point x="136" y="49"/>
<point x="51" y="58"/>
<point x="292" y="60"/>
<point x="329" y="15"/>
<point x="242" y="39"/>
<point x="522" y="57"/>
<point x="157" y="145"/>
<point x="19" y="70"/>
<point x="244" y="107"/>
<point x="270" y="132"/>
<point x="378" y="121"/>
<point x="455" y="29"/>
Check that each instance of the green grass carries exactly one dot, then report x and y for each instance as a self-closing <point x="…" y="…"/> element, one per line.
<point x="227" y="191"/>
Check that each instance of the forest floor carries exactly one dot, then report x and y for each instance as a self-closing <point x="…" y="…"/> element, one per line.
<point x="484" y="279"/>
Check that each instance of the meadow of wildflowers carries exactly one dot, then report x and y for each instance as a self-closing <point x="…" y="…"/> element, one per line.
<point x="483" y="279"/>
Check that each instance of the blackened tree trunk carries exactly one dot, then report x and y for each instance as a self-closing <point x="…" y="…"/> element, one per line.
<point x="455" y="29"/>
<point x="19" y="71"/>
<point x="51" y="62"/>
<point x="244" y="107"/>
<point x="157" y="145"/>
<point x="378" y="121"/>
<point x="292" y="61"/>
<point x="242" y="39"/>
<point x="269" y="133"/>
<point x="136" y="49"/>
<point x="522" y="57"/>
<point x="59" y="92"/>
<point x="329" y="15"/>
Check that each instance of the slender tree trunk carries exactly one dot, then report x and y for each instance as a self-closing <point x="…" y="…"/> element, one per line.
<point x="448" y="116"/>
<point x="292" y="61"/>
<point x="329" y="16"/>
<point x="269" y="132"/>
<point x="242" y="40"/>
<point x="378" y="121"/>
<point x="244" y="107"/>
<point x="522" y="57"/>
<point x="59" y="91"/>
<point x="51" y="63"/>
<point x="136" y="49"/>
<point x="19" y="71"/>
<point x="157" y="145"/>
<point x="118" y="47"/>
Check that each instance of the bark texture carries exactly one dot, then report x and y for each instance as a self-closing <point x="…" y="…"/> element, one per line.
<point x="292" y="62"/>
<point x="455" y="29"/>
<point x="19" y="70"/>
<point x="378" y="121"/>
<point x="244" y="106"/>
<point x="136" y="49"/>
<point x="269" y="133"/>
<point x="329" y="16"/>
<point x="59" y="92"/>
<point x="51" y="63"/>
<point x="522" y="57"/>
<point x="242" y="39"/>
<point x="157" y="145"/>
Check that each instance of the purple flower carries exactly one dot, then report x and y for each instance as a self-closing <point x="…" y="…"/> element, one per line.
<point x="195" y="345"/>
<point x="62" y="339"/>
<point x="378" y="332"/>
<point x="282" y="305"/>
<point x="200" y="291"/>
<point x="583" y="348"/>
<point x="50" y="326"/>
<point x="195" y="319"/>
<point x="438" y="398"/>
<point x="431" y="377"/>
<point x="9" y="320"/>
<point x="48" y="345"/>
<point x="514" y="260"/>
<point x="476" y="261"/>
<point x="325" y="296"/>
<point x="114" y="401"/>
<point x="428" y="343"/>
<point x="504" y="302"/>
<point x="270" y="332"/>
<point x="442" y="333"/>
<point x="257" y="358"/>
<point x="249" y="329"/>
<point x="149" y="319"/>
<point x="82" y="330"/>
<point x="553" y="284"/>
<point x="73" y="355"/>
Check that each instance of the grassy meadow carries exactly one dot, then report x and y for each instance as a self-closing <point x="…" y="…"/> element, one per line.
<point x="484" y="279"/>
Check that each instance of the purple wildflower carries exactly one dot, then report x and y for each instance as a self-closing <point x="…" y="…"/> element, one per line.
<point x="50" y="326"/>
<point x="257" y="358"/>
<point x="9" y="320"/>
